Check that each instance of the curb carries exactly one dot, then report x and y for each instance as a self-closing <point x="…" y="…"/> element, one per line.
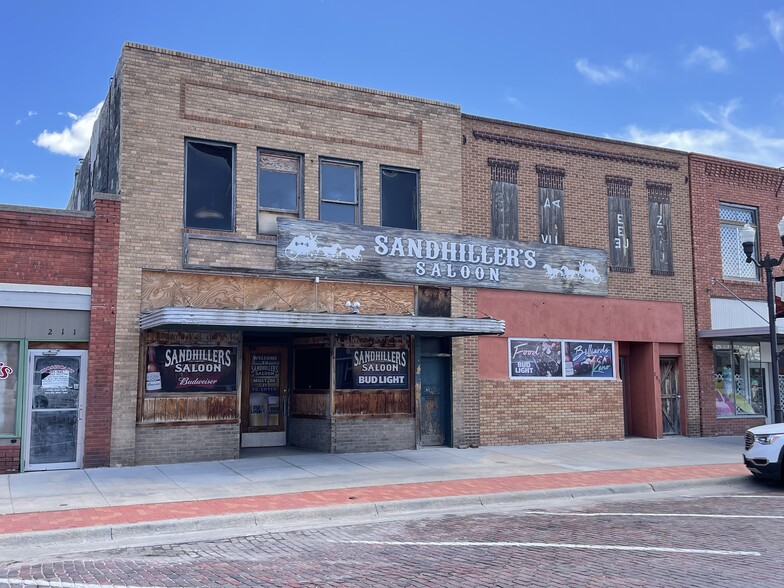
<point x="221" y="526"/>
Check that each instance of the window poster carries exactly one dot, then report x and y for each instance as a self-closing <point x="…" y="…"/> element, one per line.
<point x="548" y="359"/>
<point x="192" y="369"/>
<point x="9" y="374"/>
<point x="264" y="389"/>
<point x="589" y="359"/>
<point x="362" y="369"/>
<point x="535" y="358"/>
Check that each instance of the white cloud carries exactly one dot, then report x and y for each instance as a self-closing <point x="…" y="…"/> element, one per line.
<point x="16" y="176"/>
<point x="634" y="63"/>
<point x="513" y="100"/>
<point x="30" y="114"/>
<point x="73" y="140"/>
<point x="711" y="58"/>
<point x="597" y="74"/>
<point x="776" y="26"/>
<point x="743" y="42"/>
<point x="721" y="137"/>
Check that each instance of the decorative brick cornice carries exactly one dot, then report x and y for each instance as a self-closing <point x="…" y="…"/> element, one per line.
<point x="503" y="170"/>
<point x="658" y="191"/>
<point x="619" y="186"/>
<point x="550" y="177"/>
<point x="560" y="148"/>
<point x="743" y="175"/>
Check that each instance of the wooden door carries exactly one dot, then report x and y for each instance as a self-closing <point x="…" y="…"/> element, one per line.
<point x="265" y="384"/>
<point x="671" y="397"/>
<point x="434" y="402"/>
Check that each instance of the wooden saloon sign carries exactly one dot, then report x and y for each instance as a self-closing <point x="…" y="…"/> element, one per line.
<point x="366" y="253"/>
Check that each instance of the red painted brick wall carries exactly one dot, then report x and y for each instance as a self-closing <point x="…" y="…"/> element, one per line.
<point x="100" y="369"/>
<point x="45" y="247"/>
<point x="9" y="459"/>
<point x="713" y="181"/>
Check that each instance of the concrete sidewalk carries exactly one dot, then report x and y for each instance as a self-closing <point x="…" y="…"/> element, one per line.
<point x="286" y="480"/>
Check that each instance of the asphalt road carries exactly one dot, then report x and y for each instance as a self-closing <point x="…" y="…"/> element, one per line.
<point x="693" y="538"/>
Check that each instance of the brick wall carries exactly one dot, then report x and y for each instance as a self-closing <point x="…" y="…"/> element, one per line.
<point x="315" y="434"/>
<point x="525" y="411"/>
<point x="100" y="369"/>
<point x="168" y="97"/>
<point x="390" y="434"/>
<point x="715" y="181"/>
<point x="185" y="443"/>
<point x="10" y="458"/>
<point x="45" y="246"/>
<point x="551" y="412"/>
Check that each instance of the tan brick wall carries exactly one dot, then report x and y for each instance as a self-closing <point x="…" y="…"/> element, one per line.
<point x="169" y="96"/>
<point x="550" y="412"/>
<point x="586" y="161"/>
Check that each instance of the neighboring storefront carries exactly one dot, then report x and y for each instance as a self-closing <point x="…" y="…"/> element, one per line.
<point x="602" y="353"/>
<point x="737" y="376"/>
<point x="49" y="416"/>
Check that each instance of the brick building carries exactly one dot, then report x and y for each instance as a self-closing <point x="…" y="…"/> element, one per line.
<point x="240" y="321"/>
<point x="733" y="349"/>
<point x="57" y="294"/>
<point x="330" y="267"/>
<point x="628" y="201"/>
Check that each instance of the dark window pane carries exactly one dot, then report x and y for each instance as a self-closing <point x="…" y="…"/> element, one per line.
<point x="339" y="183"/>
<point x="344" y="378"/>
<point x="209" y="186"/>
<point x="338" y="213"/>
<point x="399" y="199"/>
<point x="311" y="369"/>
<point x="277" y="190"/>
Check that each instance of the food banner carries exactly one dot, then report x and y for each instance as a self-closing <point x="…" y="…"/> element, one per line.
<point x="534" y="358"/>
<point x="549" y="359"/>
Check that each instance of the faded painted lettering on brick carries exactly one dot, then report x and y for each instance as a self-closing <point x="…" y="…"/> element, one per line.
<point x="366" y="253"/>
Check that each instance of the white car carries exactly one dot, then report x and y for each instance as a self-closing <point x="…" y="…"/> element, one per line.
<point x="764" y="451"/>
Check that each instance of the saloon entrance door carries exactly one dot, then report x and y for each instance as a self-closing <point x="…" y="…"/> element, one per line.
<point x="54" y="409"/>
<point x="435" y="398"/>
<point x="264" y="388"/>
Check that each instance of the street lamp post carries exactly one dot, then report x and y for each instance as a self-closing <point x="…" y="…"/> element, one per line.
<point x="748" y="238"/>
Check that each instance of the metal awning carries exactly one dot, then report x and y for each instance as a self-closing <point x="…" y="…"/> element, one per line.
<point x="756" y="333"/>
<point x="167" y="318"/>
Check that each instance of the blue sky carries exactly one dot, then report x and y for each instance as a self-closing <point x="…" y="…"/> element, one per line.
<point x="705" y="76"/>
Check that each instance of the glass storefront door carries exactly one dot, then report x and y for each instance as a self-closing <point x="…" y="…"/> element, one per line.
<point x="54" y="415"/>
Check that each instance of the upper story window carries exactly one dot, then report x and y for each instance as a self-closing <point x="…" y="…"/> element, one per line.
<point x="551" y="204"/>
<point x="733" y="260"/>
<point x="279" y="188"/>
<point x="399" y="198"/>
<point x="503" y="195"/>
<point x="340" y="189"/>
<point x="209" y="185"/>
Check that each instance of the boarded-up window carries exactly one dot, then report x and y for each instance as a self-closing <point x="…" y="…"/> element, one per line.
<point x="619" y="221"/>
<point x="660" y="228"/>
<point x="503" y="190"/>
<point x="551" y="204"/>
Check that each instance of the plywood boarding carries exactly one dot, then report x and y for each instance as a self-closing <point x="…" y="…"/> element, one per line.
<point x="179" y="289"/>
<point x="168" y="409"/>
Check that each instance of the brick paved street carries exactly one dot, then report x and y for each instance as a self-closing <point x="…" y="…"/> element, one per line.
<point x="726" y="540"/>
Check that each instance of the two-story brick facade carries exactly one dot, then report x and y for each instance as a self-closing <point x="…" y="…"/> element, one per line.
<point x="733" y="343"/>
<point x="628" y="200"/>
